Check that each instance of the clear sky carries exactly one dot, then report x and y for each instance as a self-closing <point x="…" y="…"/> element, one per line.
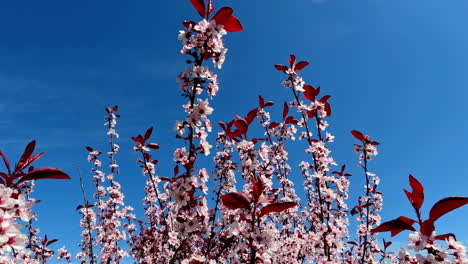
<point x="396" y="70"/>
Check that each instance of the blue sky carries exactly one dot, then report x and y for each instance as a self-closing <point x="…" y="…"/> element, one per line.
<point x="396" y="70"/>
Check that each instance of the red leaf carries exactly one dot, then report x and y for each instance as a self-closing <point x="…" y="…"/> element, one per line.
<point x="236" y="200"/>
<point x="233" y="24"/>
<point x="139" y="139"/>
<point x="5" y="160"/>
<point x="358" y="135"/>
<point x="427" y="227"/>
<point x="148" y="133"/>
<point x="89" y="149"/>
<point x="394" y="226"/>
<point x="445" y="236"/>
<point x="291" y="120"/>
<point x="293" y="60"/>
<point x="310" y="92"/>
<point x="199" y="6"/>
<point x="261" y="103"/>
<point x="241" y="125"/>
<point x="301" y="65"/>
<point x="280" y="67"/>
<point x="446" y="205"/>
<point x="52" y="241"/>
<point x="417" y="195"/>
<point x="251" y="116"/>
<point x="276" y="207"/>
<point x="152" y="146"/>
<point x="285" y="110"/>
<point x="44" y="173"/>
<point x="27" y="153"/>
<point x="223" y="15"/>
<point x="258" y="188"/>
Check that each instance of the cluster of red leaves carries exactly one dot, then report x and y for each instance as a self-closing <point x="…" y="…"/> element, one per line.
<point x="416" y="198"/>
<point x="14" y="178"/>
<point x="240" y="200"/>
<point x="222" y="17"/>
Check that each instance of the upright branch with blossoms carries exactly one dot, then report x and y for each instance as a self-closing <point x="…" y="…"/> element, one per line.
<point x="369" y="204"/>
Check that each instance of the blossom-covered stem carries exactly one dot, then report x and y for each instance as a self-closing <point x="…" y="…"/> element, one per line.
<point x="191" y="155"/>
<point x="88" y="220"/>
<point x="275" y="150"/>
<point x="317" y="184"/>
<point x="364" y="250"/>
<point x="153" y="183"/>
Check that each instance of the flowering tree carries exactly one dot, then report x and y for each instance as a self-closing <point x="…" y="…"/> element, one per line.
<point x="245" y="208"/>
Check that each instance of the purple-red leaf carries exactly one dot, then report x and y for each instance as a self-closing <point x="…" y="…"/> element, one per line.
<point x="148" y="133"/>
<point x="285" y="110"/>
<point x="236" y="200"/>
<point x="445" y="236"/>
<point x="358" y="135"/>
<point x="394" y="226"/>
<point x="301" y="65"/>
<point x="152" y="146"/>
<point x="257" y="189"/>
<point x="280" y="67"/>
<point x="199" y="6"/>
<point x="416" y="197"/>
<point x="233" y="24"/>
<point x="44" y="173"/>
<point x="276" y="208"/>
<point x="223" y="15"/>
<point x="446" y="205"/>
<point x="27" y="153"/>
<point x="427" y="227"/>
<point x="5" y="160"/>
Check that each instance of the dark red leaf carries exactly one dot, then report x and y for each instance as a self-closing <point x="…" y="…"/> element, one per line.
<point x="310" y="92"/>
<point x="446" y="205"/>
<point x="233" y="24"/>
<point x="139" y="139"/>
<point x="280" y="67"/>
<point x="89" y="149"/>
<point x="251" y="115"/>
<point x="5" y="160"/>
<point x="52" y="241"/>
<point x="291" y="120"/>
<point x="427" y="227"/>
<point x="152" y="146"/>
<point x="301" y="65"/>
<point x="276" y="207"/>
<point x="257" y="189"/>
<point x="285" y="110"/>
<point x="261" y="101"/>
<point x="292" y="61"/>
<point x="358" y="135"/>
<point x="241" y="125"/>
<point x="394" y="226"/>
<point x="199" y="6"/>
<point x="148" y="133"/>
<point x="416" y="197"/>
<point x="27" y="153"/>
<point x="236" y="200"/>
<point x="44" y="173"/>
<point x="223" y="15"/>
<point x="445" y="236"/>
